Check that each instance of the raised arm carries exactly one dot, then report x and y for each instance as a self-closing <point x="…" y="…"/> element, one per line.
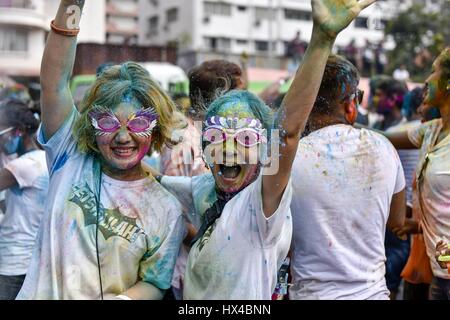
<point x="56" y="67"/>
<point x="330" y="17"/>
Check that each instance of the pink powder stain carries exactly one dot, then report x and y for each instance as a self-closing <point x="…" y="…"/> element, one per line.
<point x="140" y="156"/>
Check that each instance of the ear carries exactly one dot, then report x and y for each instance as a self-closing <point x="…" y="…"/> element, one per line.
<point x="351" y="111"/>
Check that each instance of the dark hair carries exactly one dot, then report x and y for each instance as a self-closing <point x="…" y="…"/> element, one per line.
<point x="210" y="80"/>
<point x="15" y="113"/>
<point x="393" y="89"/>
<point x="16" y="92"/>
<point x="340" y="80"/>
<point x="445" y="63"/>
<point x="411" y="101"/>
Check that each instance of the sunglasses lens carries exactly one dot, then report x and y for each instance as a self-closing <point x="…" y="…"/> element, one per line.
<point x="108" y="124"/>
<point x="139" y="124"/>
<point x="360" y="96"/>
<point x="213" y="135"/>
<point x="247" y="138"/>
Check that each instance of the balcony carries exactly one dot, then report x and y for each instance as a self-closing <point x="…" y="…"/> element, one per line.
<point x="113" y="28"/>
<point x="24" y="13"/>
<point x="113" y="10"/>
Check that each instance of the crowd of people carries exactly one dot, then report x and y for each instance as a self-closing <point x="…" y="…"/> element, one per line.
<point x="244" y="190"/>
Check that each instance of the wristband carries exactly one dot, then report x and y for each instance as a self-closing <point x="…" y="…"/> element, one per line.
<point x="64" y="32"/>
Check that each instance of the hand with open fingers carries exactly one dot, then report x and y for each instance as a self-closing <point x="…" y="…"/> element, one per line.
<point x="332" y="16"/>
<point x="442" y="254"/>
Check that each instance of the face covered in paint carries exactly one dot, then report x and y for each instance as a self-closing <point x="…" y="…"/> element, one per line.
<point x="10" y="140"/>
<point x="436" y="86"/>
<point x="382" y="102"/>
<point x="231" y="141"/>
<point x="123" y="133"/>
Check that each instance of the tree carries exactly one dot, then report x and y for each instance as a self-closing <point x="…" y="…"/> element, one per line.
<point x="419" y="35"/>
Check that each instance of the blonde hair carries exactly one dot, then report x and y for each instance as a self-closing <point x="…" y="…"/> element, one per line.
<point x="109" y="90"/>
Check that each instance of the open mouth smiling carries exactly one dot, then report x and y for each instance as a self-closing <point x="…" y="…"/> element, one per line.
<point x="123" y="152"/>
<point x="229" y="173"/>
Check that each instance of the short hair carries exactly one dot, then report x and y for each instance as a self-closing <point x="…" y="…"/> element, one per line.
<point x="102" y="67"/>
<point x="111" y="87"/>
<point x="242" y="97"/>
<point x="393" y="89"/>
<point x="340" y="80"/>
<point x="444" y="57"/>
<point x="411" y="101"/>
<point x="17" y="92"/>
<point x="210" y="80"/>
<point x="16" y="113"/>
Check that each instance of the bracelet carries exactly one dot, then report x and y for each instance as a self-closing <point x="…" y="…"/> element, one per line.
<point x="123" y="297"/>
<point x="64" y="32"/>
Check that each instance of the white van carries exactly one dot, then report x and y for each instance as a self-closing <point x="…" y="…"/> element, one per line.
<point x="171" y="77"/>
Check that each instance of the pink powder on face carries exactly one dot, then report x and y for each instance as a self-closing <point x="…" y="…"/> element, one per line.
<point x="140" y="156"/>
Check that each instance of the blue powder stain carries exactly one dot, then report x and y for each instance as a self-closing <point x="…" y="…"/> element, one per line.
<point x="60" y="162"/>
<point x="16" y="191"/>
<point x="343" y="89"/>
<point x="329" y="151"/>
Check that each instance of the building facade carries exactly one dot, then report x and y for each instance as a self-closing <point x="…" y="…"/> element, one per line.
<point x="23" y="24"/>
<point x="206" y="29"/>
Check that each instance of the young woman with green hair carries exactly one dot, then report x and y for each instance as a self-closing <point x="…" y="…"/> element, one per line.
<point x="242" y="209"/>
<point x="101" y="238"/>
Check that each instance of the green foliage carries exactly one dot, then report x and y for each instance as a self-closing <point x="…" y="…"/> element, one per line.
<point x="419" y="36"/>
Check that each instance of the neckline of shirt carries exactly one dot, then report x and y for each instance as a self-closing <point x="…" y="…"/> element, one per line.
<point x="129" y="184"/>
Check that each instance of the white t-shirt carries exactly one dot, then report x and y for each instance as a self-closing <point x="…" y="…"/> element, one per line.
<point x="240" y="254"/>
<point x="4" y="159"/>
<point x="139" y="234"/>
<point x="401" y="74"/>
<point x="24" y="210"/>
<point x="343" y="181"/>
<point x="433" y="176"/>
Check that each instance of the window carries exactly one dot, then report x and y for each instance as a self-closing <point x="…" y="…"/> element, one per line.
<point x="219" y="44"/>
<point x="27" y="4"/>
<point x="153" y="23"/>
<point x="241" y="42"/>
<point x="291" y="14"/>
<point x="217" y="8"/>
<point x="262" y="13"/>
<point x="12" y="39"/>
<point x="262" y="45"/>
<point x="172" y="15"/>
<point x="242" y="8"/>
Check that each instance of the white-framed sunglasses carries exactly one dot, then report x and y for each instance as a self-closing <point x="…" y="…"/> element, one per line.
<point x="6" y="130"/>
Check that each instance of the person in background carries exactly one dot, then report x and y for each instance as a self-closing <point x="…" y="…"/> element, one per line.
<point x="433" y="170"/>
<point x="397" y="250"/>
<point x="388" y="101"/>
<point x="348" y="187"/>
<point x="401" y="74"/>
<point x="25" y="180"/>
